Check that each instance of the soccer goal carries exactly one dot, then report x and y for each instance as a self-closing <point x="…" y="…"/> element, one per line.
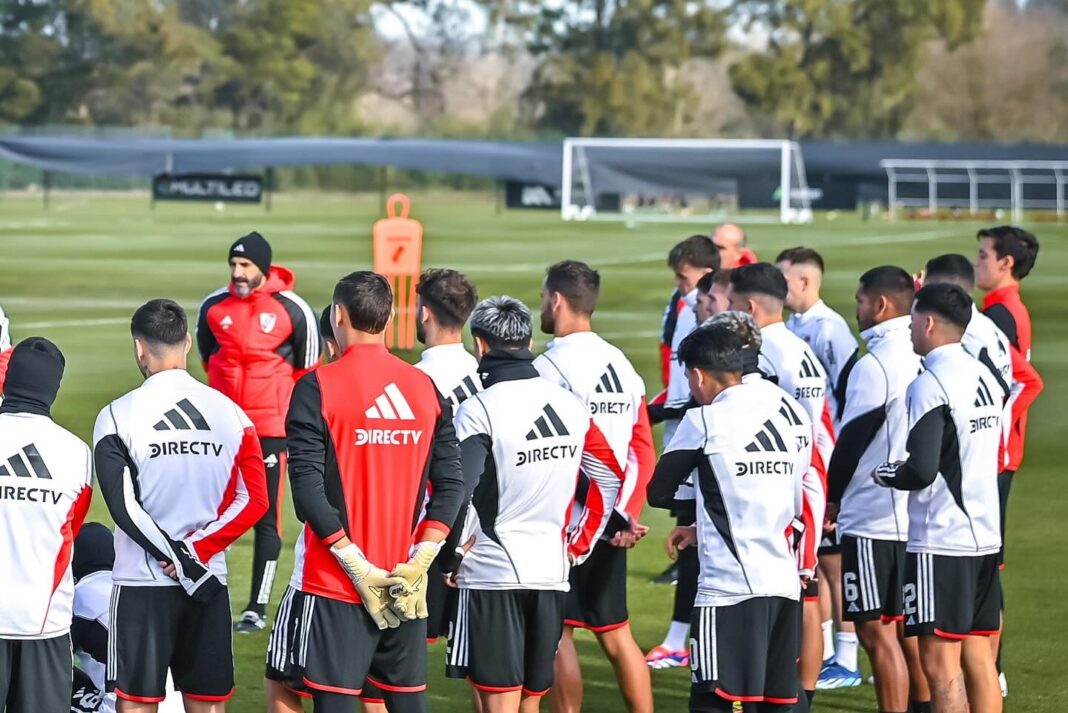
<point x="679" y="180"/>
<point x="934" y="186"/>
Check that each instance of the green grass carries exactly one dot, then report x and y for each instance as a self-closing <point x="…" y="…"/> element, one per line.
<point x="76" y="272"/>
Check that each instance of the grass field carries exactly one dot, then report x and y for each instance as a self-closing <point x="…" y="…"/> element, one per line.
<point x="76" y="272"/>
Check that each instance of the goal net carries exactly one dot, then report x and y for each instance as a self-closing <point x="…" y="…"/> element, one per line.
<point x="662" y="180"/>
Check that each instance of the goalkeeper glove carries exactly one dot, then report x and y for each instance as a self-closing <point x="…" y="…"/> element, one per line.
<point x="372" y="583"/>
<point x="409" y="596"/>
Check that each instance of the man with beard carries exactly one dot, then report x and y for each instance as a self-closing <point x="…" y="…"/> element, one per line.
<point x="256" y="338"/>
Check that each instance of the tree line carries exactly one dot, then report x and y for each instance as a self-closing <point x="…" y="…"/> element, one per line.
<point x="951" y="69"/>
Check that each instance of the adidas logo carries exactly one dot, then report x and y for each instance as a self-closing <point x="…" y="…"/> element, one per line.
<point x="808" y="367"/>
<point x="191" y="420"/>
<point x="239" y="248"/>
<point x="542" y="427"/>
<point x="226" y="322"/>
<point x="464" y="391"/>
<point x="609" y="382"/>
<point x="18" y="467"/>
<point x="853" y="607"/>
<point x="768" y="440"/>
<point x="983" y="396"/>
<point x="391" y="405"/>
<point x="271" y="461"/>
<point x="547" y="425"/>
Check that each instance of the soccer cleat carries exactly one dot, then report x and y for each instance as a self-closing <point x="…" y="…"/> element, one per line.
<point x="668" y="576"/>
<point x="837" y="676"/>
<point x="1004" y="684"/>
<point x="250" y="622"/>
<point x="666" y="658"/>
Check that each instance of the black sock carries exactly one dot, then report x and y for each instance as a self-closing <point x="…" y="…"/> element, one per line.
<point x="921" y="707"/>
<point x="810" y="695"/>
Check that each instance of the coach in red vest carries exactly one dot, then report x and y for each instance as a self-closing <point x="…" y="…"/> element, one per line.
<point x="256" y="338"/>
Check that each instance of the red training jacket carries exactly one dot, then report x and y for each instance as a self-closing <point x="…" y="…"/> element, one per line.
<point x="5" y="357"/>
<point x="255" y="348"/>
<point x="1005" y="308"/>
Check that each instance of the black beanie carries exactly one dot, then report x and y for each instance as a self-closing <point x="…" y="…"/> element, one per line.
<point x="33" y="377"/>
<point x="255" y="248"/>
<point x="94" y="550"/>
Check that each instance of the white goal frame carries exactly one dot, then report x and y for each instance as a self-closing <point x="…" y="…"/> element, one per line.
<point x="1017" y="175"/>
<point x="794" y="200"/>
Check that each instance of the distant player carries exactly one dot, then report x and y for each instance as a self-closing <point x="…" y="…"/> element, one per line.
<point x="712" y="295"/>
<point x="952" y="593"/>
<point x="181" y="471"/>
<point x="256" y="337"/>
<point x="731" y="242"/>
<point x="603" y="378"/>
<point x="744" y="641"/>
<point x="690" y="260"/>
<point x="831" y="340"/>
<point x="874" y="523"/>
<point x="524" y="439"/>
<point x="368" y="433"/>
<point x="45" y="489"/>
<point x="760" y="289"/>
<point x="93" y="558"/>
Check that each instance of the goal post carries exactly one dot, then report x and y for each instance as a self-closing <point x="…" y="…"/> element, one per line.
<point x="667" y="180"/>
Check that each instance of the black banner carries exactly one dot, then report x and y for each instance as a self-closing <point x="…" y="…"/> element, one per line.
<point x="207" y="187"/>
<point x="531" y="195"/>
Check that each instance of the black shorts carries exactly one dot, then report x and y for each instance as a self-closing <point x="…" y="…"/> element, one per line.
<point x="598" y="597"/>
<point x="831" y="544"/>
<point x="811" y="592"/>
<point x="873" y="577"/>
<point x="36" y="675"/>
<point x="158" y="628"/>
<point x="952" y="597"/>
<point x="747" y="651"/>
<point x="517" y="633"/>
<point x="440" y="603"/>
<point x="342" y="648"/>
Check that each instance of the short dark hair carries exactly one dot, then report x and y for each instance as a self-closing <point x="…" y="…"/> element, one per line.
<point x="449" y="295"/>
<point x="801" y="256"/>
<point x="760" y="278"/>
<point x="160" y="321"/>
<point x="579" y="283"/>
<point x="326" y="325"/>
<point x="1017" y="242"/>
<point x="503" y="323"/>
<point x="951" y="267"/>
<point x="367" y="299"/>
<point x="704" y="285"/>
<point x="721" y="278"/>
<point x="945" y="300"/>
<point x="713" y="348"/>
<point x="891" y="282"/>
<point x="696" y="250"/>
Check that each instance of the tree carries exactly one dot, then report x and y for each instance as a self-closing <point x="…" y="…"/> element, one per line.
<point x="614" y="68"/>
<point x="843" y="67"/>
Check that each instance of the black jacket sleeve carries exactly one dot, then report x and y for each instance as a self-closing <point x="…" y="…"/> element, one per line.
<point x="925" y="451"/>
<point x="206" y="342"/>
<point x="671" y="471"/>
<point x="446" y="474"/>
<point x="476" y="456"/>
<point x="306" y="440"/>
<point x="853" y="440"/>
<point x="1000" y="315"/>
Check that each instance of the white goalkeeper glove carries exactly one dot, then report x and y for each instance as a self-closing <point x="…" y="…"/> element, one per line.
<point x="372" y="583"/>
<point x="409" y="596"/>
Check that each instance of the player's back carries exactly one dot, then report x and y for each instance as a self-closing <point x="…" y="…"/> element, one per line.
<point x="453" y="370"/>
<point x="880" y="381"/>
<point x="536" y="433"/>
<point x="181" y="441"/>
<point x="44" y="479"/>
<point x="602" y="377"/>
<point x="381" y="415"/>
<point x="828" y="335"/>
<point x="749" y="494"/>
<point x="787" y="360"/>
<point x="959" y="513"/>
